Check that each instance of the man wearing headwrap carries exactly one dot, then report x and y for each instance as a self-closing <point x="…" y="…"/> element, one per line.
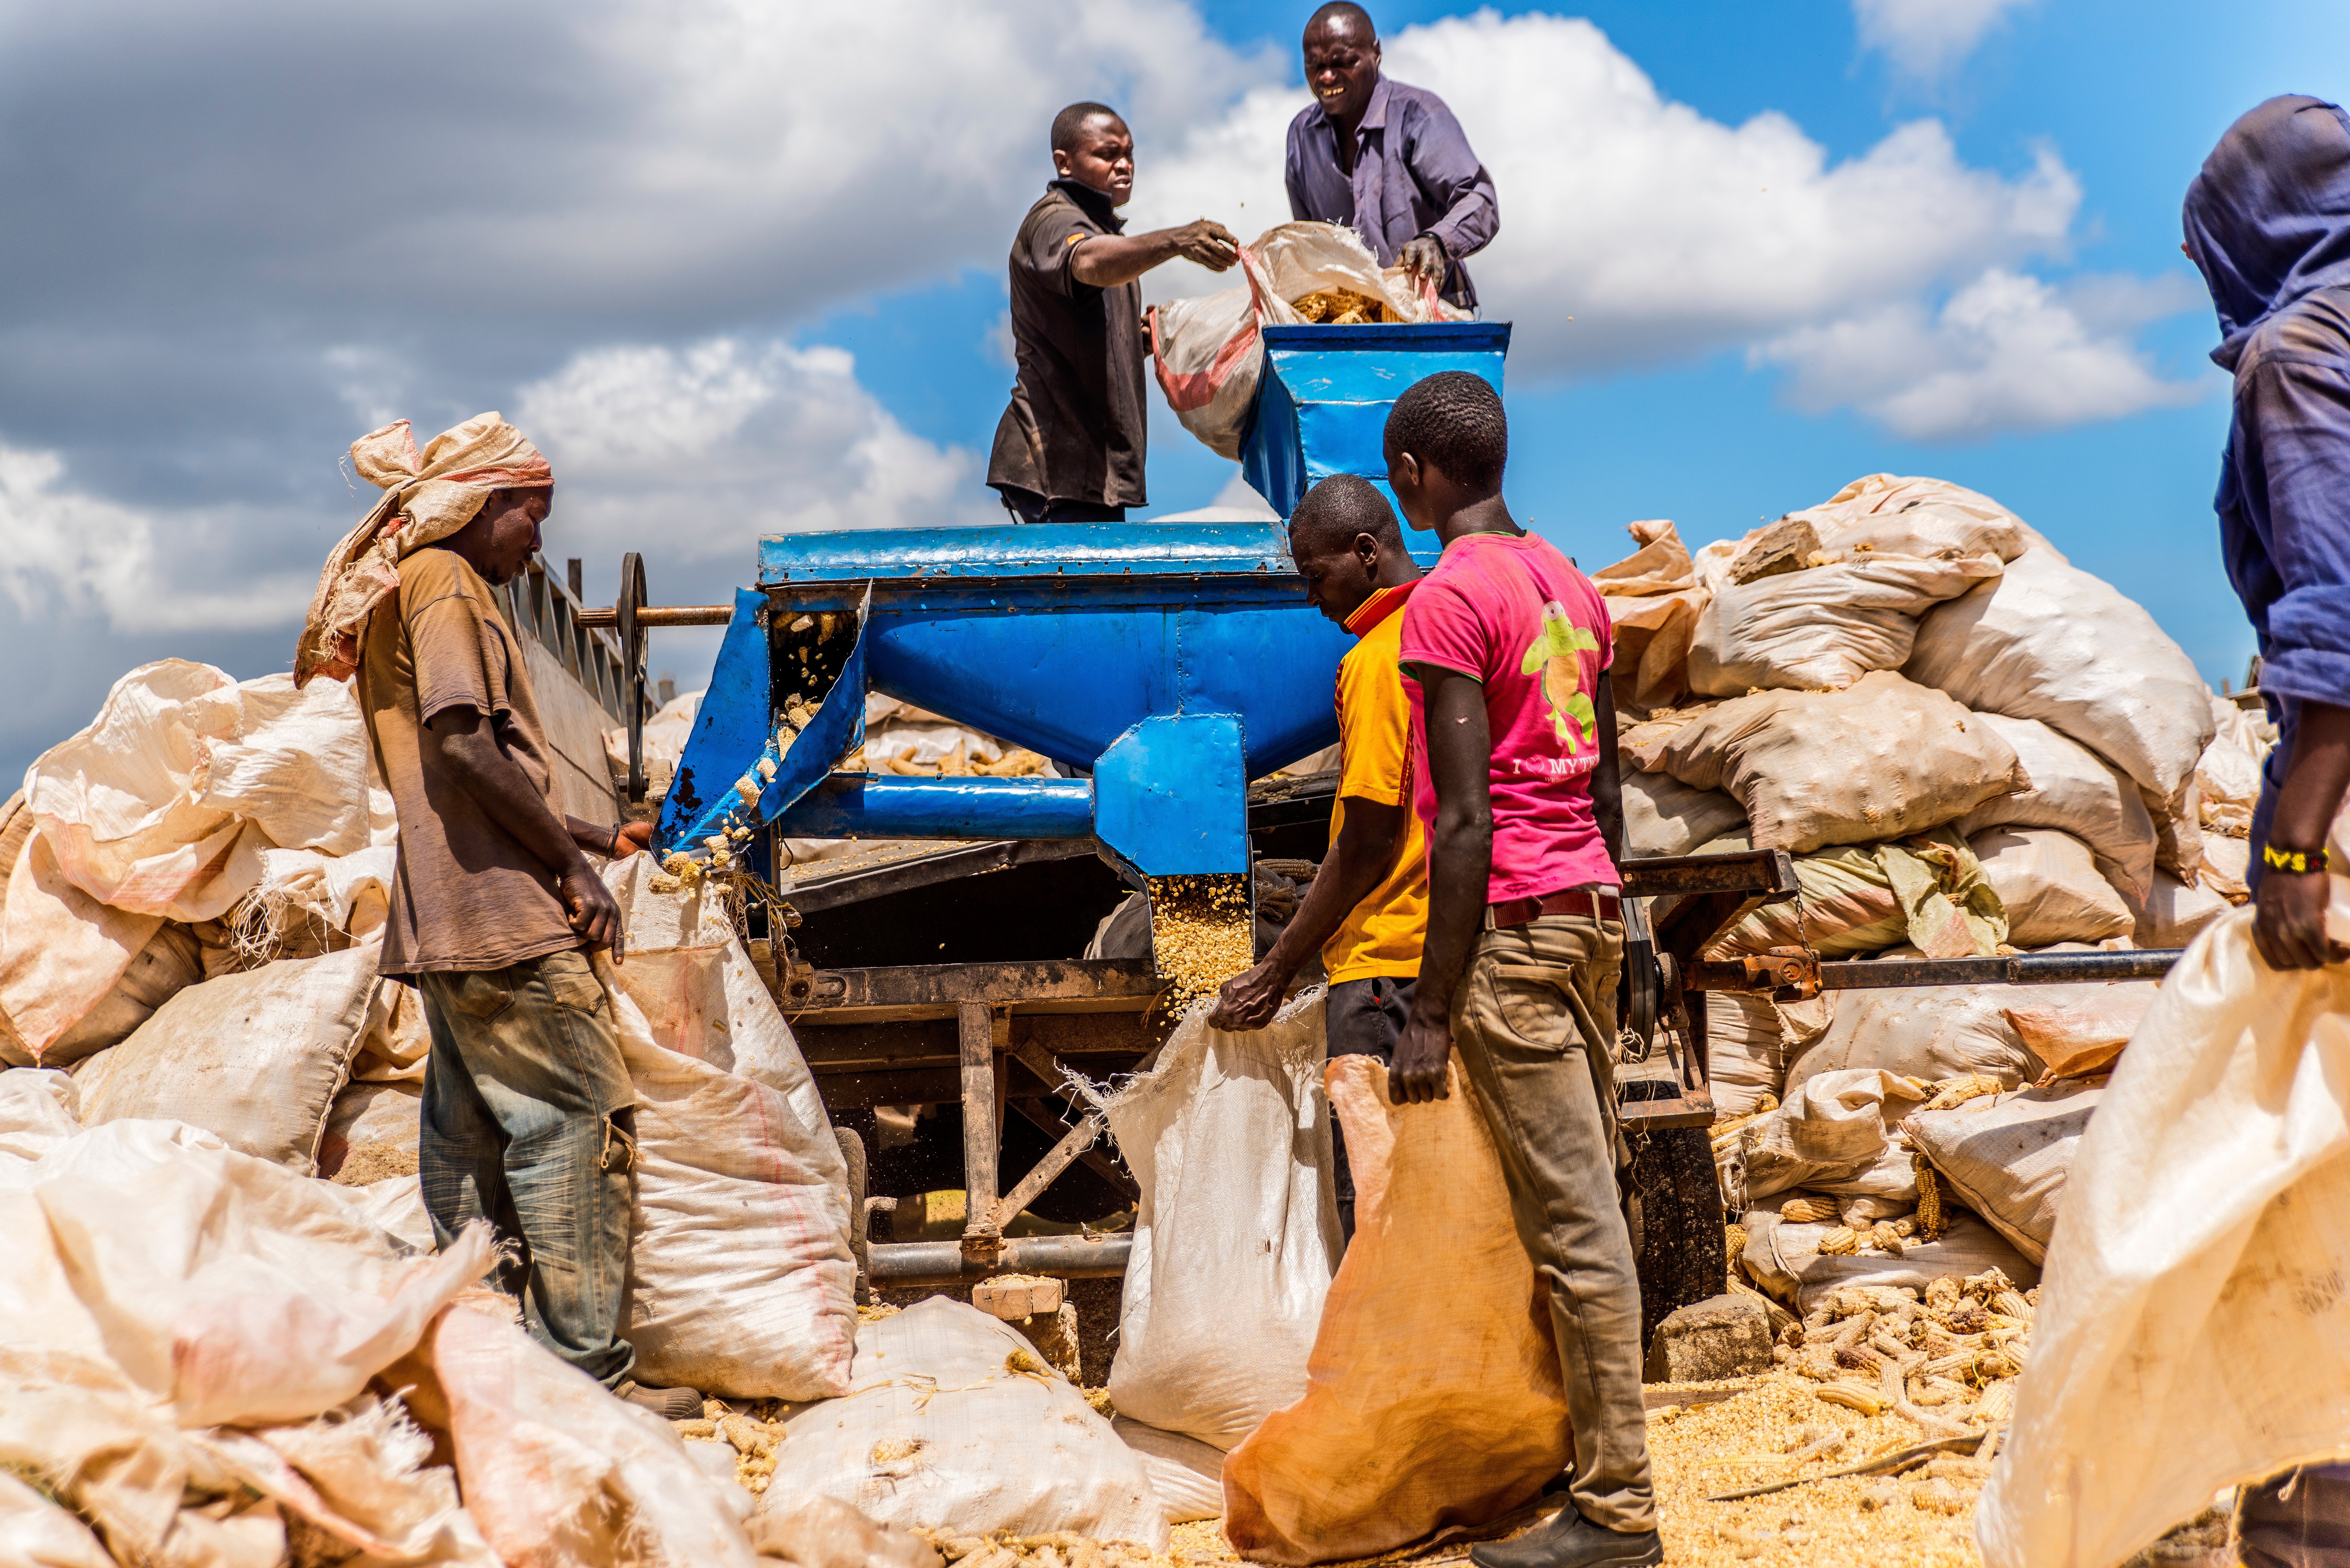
<point x="528" y="1118"/>
<point x="2268" y="223"/>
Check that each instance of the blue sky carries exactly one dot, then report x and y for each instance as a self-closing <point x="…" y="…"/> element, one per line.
<point x="740" y="270"/>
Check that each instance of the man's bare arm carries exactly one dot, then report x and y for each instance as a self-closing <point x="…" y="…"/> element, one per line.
<point x="1104" y="261"/>
<point x="2289" y="926"/>
<point x="1364" y="854"/>
<point x="1459" y="870"/>
<point x="461" y="744"/>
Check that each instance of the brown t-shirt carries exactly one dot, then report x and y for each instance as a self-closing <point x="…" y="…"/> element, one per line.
<point x="1076" y="429"/>
<point x="467" y="895"/>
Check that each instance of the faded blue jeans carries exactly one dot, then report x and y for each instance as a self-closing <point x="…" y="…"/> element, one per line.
<point x="529" y="1122"/>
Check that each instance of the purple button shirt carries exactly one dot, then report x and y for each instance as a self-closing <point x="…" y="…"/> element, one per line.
<point x="1414" y="174"/>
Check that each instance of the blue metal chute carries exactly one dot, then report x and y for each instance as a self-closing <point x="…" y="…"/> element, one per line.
<point x="1322" y="405"/>
<point x="743" y="765"/>
<point x="1170" y="661"/>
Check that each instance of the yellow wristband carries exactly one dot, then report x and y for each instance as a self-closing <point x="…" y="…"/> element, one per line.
<point x="2296" y="861"/>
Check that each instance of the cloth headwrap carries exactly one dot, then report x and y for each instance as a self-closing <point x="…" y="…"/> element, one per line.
<point x="426" y="498"/>
<point x="2268" y="218"/>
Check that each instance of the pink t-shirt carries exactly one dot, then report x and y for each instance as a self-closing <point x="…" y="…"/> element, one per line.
<point x="1516" y="615"/>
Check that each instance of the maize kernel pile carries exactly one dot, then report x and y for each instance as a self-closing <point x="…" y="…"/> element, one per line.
<point x="1342" y="307"/>
<point x="1202" y="933"/>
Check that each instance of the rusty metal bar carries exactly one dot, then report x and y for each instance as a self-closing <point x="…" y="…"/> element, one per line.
<point x="1093" y="1158"/>
<point x="897" y="1264"/>
<point x="1058" y="1158"/>
<point x="665" y="615"/>
<point x="1769" y="872"/>
<point x="981" y="1135"/>
<point x="940" y="990"/>
<point x="2022" y="968"/>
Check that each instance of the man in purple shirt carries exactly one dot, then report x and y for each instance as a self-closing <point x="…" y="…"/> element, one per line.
<point x="1387" y="160"/>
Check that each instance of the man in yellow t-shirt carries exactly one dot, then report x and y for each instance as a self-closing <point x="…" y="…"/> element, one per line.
<point x="1367" y="908"/>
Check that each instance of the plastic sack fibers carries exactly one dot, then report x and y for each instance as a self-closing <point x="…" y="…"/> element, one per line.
<point x="75" y="975"/>
<point x="1929" y="1033"/>
<point x="741" y="1282"/>
<point x="231" y="1288"/>
<point x="2006" y="1156"/>
<point x="1653" y="601"/>
<point x="1206" y="352"/>
<point x="1434" y="1398"/>
<point x="40" y="1534"/>
<point x="1187" y="1474"/>
<point x="1228" y="1139"/>
<point x="2173" y="914"/>
<point x="163" y="803"/>
<point x="1785" y="1260"/>
<point x="2078" y="792"/>
<point x="1824" y="627"/>
<point x="1928" y="890"/>
<point x="1746" y="1050"/>
<point x="1880" y="759"/>
<point x="2049" y="641"/>
<point x="1834" y="1134"/>
<point x="2193" y="1319"/>
<point x="256" y="1058"/>
<point x="2082" y="1031"/>
<point x="2049" y="885"/>
<point x="956" y="1424"/>
<point x="1924" y="517"/>
<point x="557" y="1473"/>
<point x="1663" y="815"/>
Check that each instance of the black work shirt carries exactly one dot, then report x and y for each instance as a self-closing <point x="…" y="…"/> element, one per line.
<point x="1075" y="431"/>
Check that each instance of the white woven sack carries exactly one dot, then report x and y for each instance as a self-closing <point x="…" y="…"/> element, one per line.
<point x="2173" y="914"/>
<point x="1824" y="627"/>
<point x="2049" y="641"/>
<point x="740" y="1282"/>
<point x="1229" y="1137"/>
<point x="1785" y="1260"/>
<point x="2192" y="1327"/>
<point x="1663" y="815"/>
<point x="955" y="1424"/>
<point x="2006" y="1156"/>
<point x="1917" y="516"/>
<point x="256" y="1058"/>
<point x="1187" y="1474"/>
<point x="1834" y="1135"/>
<point x="2049" y="883"/>
<point x="1929" y="1032"/>
<point x="2074" y="789"/>
<point x="1746" y="1050"/>
<point x="1880" y="759"/>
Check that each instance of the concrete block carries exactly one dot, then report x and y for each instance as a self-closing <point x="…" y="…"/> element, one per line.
<point x="1012" y="1297"/>
<point x="1704" y="1342"/>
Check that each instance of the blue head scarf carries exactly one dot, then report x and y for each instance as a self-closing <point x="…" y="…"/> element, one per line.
<point x="2267" y="219"/>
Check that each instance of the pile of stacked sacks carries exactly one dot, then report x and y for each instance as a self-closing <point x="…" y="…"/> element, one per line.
<point x="1969" y="747"/>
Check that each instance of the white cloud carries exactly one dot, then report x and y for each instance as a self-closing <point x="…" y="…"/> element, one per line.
<point x="1926" y="39"/>
<point x="63" y="550"/>
<point x="1636" y="230"/>
<point x="2006" y="352"/>
<point x="689" y="455"/>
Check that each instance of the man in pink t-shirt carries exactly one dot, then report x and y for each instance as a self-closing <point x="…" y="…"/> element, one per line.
<point x="1504" y="650"/>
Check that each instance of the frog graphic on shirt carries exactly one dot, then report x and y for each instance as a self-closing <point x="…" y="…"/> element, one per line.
<point x="1554" y="654"/>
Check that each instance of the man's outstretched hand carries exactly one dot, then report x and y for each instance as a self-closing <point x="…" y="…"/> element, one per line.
<point x="1248" y="1001"/>
<point x="632" y="837"/>
<point x="1424" y="256"/>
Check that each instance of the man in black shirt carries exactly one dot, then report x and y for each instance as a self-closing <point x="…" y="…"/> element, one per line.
<point x="1070" y="447"/>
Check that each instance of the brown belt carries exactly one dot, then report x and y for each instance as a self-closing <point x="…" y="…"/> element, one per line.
<point x="1518" y="911"/>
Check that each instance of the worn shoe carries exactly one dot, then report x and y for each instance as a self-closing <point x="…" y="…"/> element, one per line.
<point x="669" y="1404"/>
<point x="1567" y="1540"/>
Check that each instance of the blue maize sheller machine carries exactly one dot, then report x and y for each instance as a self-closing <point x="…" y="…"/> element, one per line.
<point x="1162" y="665"/>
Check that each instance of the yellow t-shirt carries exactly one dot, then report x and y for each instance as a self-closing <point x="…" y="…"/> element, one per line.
<point x="1382" y="935"/>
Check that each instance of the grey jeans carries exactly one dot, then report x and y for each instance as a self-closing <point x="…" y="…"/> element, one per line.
<point x="529" y="1122"/>
<point x="1532" y="1023"/>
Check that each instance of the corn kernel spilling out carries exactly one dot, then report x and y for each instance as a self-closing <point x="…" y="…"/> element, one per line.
<point x="1202" y="933"/>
